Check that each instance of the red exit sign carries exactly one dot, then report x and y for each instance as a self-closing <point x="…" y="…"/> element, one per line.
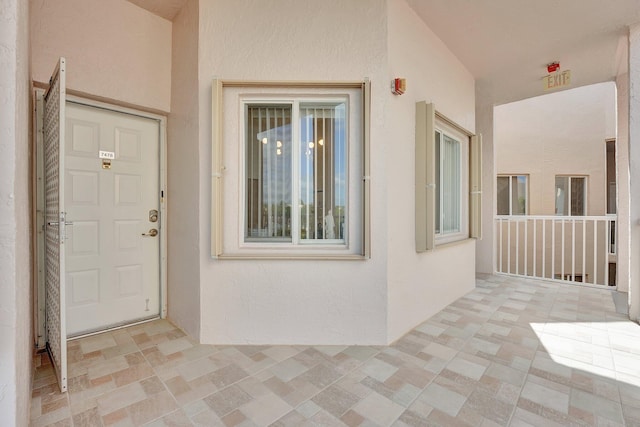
<point x="557" y="80"/>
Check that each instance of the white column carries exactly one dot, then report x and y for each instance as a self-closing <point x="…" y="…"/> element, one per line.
<point x="15" y="280"/>
<point x="485" y="248"/>
<point x="634" y="171"/>
<point x="622" y="180"/>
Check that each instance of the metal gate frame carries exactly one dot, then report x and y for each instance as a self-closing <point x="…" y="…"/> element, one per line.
<point x="54" y="222"/>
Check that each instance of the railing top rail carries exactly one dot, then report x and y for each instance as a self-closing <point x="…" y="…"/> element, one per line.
<point x="556" y="217"/>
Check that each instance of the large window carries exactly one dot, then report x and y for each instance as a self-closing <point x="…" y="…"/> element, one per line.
<point x="290" y="170"/>
<point x="571" y="195"/>
<point x="296" y="171"/>
<point x="512" y="195"/>
<point x="448" y="172"/>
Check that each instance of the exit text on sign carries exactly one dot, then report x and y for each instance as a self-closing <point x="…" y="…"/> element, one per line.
<point x="556" y="80"/>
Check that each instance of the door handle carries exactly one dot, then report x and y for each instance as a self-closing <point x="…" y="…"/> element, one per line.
<point x="151" y="233"/>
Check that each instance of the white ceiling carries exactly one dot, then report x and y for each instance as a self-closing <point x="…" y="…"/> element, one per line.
<point x="506" y="44"/>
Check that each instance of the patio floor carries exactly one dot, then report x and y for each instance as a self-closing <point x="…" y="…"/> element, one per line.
<point x="512" y="352"/>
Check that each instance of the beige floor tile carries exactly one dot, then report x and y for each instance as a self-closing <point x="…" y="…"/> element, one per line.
<point x="266" y="409"/>
<point x="120" y="398"/>
<point x="151" y="408"/>
<point x="512" y="352"/>
<point x="378" y="409"/>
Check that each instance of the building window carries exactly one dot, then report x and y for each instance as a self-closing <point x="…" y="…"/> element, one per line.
<point x="571" y="195"/>
<point x="451" y="172"/>
<point x="290" y="175"/>
<point x="512" y="195"/>
<point x="448" y="180"/>
<point x="296" y="170"/>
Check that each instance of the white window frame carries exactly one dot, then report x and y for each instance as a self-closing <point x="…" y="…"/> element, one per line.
<point x="526" y="194"/>
<point x="295" y="105"/>
<point x="463" y="214"/>
<point x="427" y="121"/>
<point x="585" y="198"/>
<point x="228" y="175"/>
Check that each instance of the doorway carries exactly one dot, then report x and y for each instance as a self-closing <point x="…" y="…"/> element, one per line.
<point x="115" y="245"/>
<point x="112" y="194"/>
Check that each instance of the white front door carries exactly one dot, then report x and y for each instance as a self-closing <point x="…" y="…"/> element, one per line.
<point x="112" y="194"/>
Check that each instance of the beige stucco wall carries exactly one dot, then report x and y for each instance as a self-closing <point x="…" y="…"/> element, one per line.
<point x="183" y="178"/>
<point x="334" y="302"/>
<point x="634" y="172"/>
<point x="280" y="301"/>
<point x="15" y="256"/>
<point x="622" y="161"/>
<point x="114" y="49"/>
<point x="420" y="284"/>
<point x="562" y="133"/>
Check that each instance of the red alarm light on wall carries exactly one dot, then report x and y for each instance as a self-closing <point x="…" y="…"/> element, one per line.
<point x="398" y="86"/>
<point x="553" y="67"/>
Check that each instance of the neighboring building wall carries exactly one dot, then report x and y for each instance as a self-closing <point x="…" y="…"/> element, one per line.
<point x="420" y="284"/>
<point x="183" y="186"/>
<point x="299" y="302"/>
<point x="114" y="49"/>
<point x="16" y="339"/>
<point x="562" y="133"/>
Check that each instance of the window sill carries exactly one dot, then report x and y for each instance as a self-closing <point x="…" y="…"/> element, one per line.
<point x="292" y="257"/>
<point x="444" y="245"/>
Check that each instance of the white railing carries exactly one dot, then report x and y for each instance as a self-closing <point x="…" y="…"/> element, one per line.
<point x="567" y="248"/>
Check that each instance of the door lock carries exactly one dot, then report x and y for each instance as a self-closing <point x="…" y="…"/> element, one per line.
<point x="152" y="233"/>
<point x="153" y="215"/>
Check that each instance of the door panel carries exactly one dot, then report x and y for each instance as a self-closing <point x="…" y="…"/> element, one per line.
<point x="114" y="270"/>
<point x="54" y="221"/>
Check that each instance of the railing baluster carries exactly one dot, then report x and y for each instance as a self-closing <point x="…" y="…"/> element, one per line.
<point x="605" y="271"/>
<point x="517" y="223"/>
<point x="509" y="247"/>
<point x="563" y="245"/>
<point x="595" y="252"/>
<point x="544" y="247"/>
<point x="584" y="250"/>
<point x="535" y="252"/>
<point x="573" y="249"/>
<point x="553" y="248"/>
<point x="526" y="246"/>
<point x="501" y="226"/>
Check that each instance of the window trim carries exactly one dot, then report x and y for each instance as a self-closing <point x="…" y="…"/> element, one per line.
<point x="425" y="186"/>
<point x="585" y="198"/>
<point x="526" y="204"/>
<point x="295" y="103"/>
<point x="463" y="233"/>
<point x="218" y="170"/>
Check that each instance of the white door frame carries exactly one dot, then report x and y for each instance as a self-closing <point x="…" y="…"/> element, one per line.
<point x="39" y="305"/>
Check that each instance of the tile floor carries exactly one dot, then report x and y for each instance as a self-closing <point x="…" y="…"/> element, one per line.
<point x="512" y="352"/>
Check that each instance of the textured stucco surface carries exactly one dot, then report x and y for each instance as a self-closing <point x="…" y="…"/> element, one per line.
<point x="562" y="133"/>
<point x="634" y="170"/>
<point x="420" y="284"/>
<point x="183" y="185"/>
<point x="622" y="162"/>
<point x="15" y="319"/>
<point x="484" y="126"/>
<point x="114" y="49"/>
<point x="330" y="302"/>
